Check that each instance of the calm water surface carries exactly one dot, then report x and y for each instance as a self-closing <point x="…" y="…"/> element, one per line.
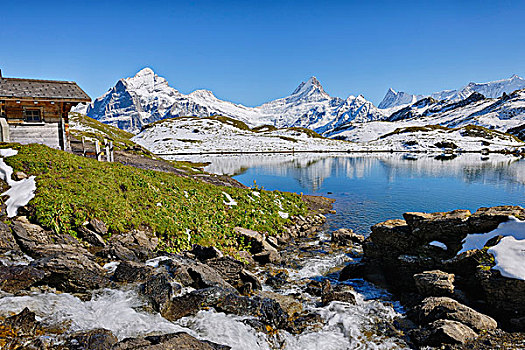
<point x="372" y="188"/>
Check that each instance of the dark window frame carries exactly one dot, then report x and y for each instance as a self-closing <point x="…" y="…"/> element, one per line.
<point x="32" y="115"/>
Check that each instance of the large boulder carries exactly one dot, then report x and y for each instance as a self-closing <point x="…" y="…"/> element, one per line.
<point x="135" y="245"/>
<point x="130" y="272"/>
<point x="448" y="332"/>
<point x="488" y="219"/>
<point x="158" y="290"/>
<point x="392" y="237"/>
<point x="71" y="272"/>
<point x="449" y="228"/>
<point x="95" y="339"/>
<point x="434" y="283"/>
<point x="504" y="296"/>
<point x="232" y="271"/>
<point x="346" y="236"/>
<point x="19" y="277"/>
<point x="263" y="251"/>
<point x="437" y="308"/>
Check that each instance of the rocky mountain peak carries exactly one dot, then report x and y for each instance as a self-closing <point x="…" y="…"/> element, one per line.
<point x="311" y="85"/>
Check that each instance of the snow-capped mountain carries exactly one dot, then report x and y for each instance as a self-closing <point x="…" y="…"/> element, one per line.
<point x="395" y="98"/>
<point x="491" y="89"/>
<point x="146" y="97"/>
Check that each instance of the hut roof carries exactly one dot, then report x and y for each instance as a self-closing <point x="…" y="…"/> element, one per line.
<point x="42" y="89"/>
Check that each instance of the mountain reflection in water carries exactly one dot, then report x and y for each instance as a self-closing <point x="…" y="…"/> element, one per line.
<point x="371" y="188"/>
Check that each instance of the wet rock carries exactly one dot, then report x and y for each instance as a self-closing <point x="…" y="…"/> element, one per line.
<point x="310" y="322"/>
<point x="96" y="339"/>
<point x="7" y="241"/>
<point x="191" y="303"/>
<point x="436" y="308"/>
<point x="71" y="272"/>
<point x="18" y="277"/>
<point x="174" y="341"/>
<point x="314" y="288"/>
<point x="232" y="271"/>
<point x="346" y="236"/>
<point x="352" y="270"/>
<point x="340" y="292"/>
<point x="278" y="280"/>
<point x="268" y="310"/>
<point x="287" y="303"/>
<point x="434" y="283"/>
<point x="449" y="332"/>
<point x="130" y="272"/>
<point x="24" y="323"/>
<point x="205" y="253"/>
<point x="488" y="219"/>
<point x="158" y="290"/>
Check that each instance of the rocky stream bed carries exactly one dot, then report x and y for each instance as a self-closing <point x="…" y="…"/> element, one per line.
<point x="307" y="289"/>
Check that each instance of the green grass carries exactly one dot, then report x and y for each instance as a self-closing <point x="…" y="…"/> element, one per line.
<point x="308" y="132"/>
<point x="73" y="189"/>
<point x="121" y="139"/>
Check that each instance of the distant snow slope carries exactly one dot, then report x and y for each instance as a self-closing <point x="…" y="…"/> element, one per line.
<point x="491" y="89"/>
<point x="146" y="97"/>
<point x="215" y="135"/>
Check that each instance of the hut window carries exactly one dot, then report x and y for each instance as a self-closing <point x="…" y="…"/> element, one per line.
<point x="32" y="115"/>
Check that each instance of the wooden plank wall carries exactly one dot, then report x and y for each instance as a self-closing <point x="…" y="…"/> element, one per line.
<point x="47" y="134"/>
<point x="15" y="111"/>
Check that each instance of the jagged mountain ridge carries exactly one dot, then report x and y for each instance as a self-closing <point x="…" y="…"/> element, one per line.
<point x="146" y="97"/>
<point x="492" y="89"/>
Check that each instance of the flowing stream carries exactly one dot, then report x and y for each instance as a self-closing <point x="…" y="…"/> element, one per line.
<point x="368" y="189"/>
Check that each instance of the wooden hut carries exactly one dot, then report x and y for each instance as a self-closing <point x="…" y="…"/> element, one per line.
<point x="36" y="111"/>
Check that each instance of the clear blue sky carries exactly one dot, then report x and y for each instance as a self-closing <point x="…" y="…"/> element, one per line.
<point x="254" y="51"/>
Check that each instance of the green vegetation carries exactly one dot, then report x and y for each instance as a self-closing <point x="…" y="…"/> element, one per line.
<point x="308" y="132"/>
<point x="426" y="128"/>
<point x="73" y="189"/>
<point x="480" y="131"/>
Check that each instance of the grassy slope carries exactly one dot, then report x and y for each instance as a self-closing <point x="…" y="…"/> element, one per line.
<point x="101" y="131"/>
<point x="73" y="189"/>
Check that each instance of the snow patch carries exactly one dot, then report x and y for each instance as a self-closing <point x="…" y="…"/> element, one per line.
<point x="231" y="201"/>
<point x="513" y="227"/>
<point x="509" y="255"/>
<point x="20" y="192"/>
<point x="438" y="244"/>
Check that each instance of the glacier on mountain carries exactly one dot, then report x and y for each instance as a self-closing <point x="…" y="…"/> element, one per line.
<point x="146" y="97"/>
<point x="492" y="89"/>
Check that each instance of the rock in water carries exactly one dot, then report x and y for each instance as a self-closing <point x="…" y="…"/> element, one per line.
<point x="175" y="341"/>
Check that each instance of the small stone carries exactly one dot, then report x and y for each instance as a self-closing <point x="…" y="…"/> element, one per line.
<point x="434" y="283"/>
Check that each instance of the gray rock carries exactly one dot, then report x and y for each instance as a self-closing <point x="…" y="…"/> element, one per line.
<point x="205" y="253"/>
<point x="449" y="332"/>
<point x="346" y="236"/>
<point x="436" y="308"/>
<point x="488" y="219"/>
<point x="98" y="226"/>
<point x="15" y="278"/>
<point x="130" y="272"/>
<point x="434" y="283"/>
<point x="95" y="339"/>
<point x="174" y="341"/>
<point x="340" y="292"/>
<point x="158" y="290"/>
<point x="91" y="237"/>
<point x="7" y="241"/>
<point x="71" y="272"/>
